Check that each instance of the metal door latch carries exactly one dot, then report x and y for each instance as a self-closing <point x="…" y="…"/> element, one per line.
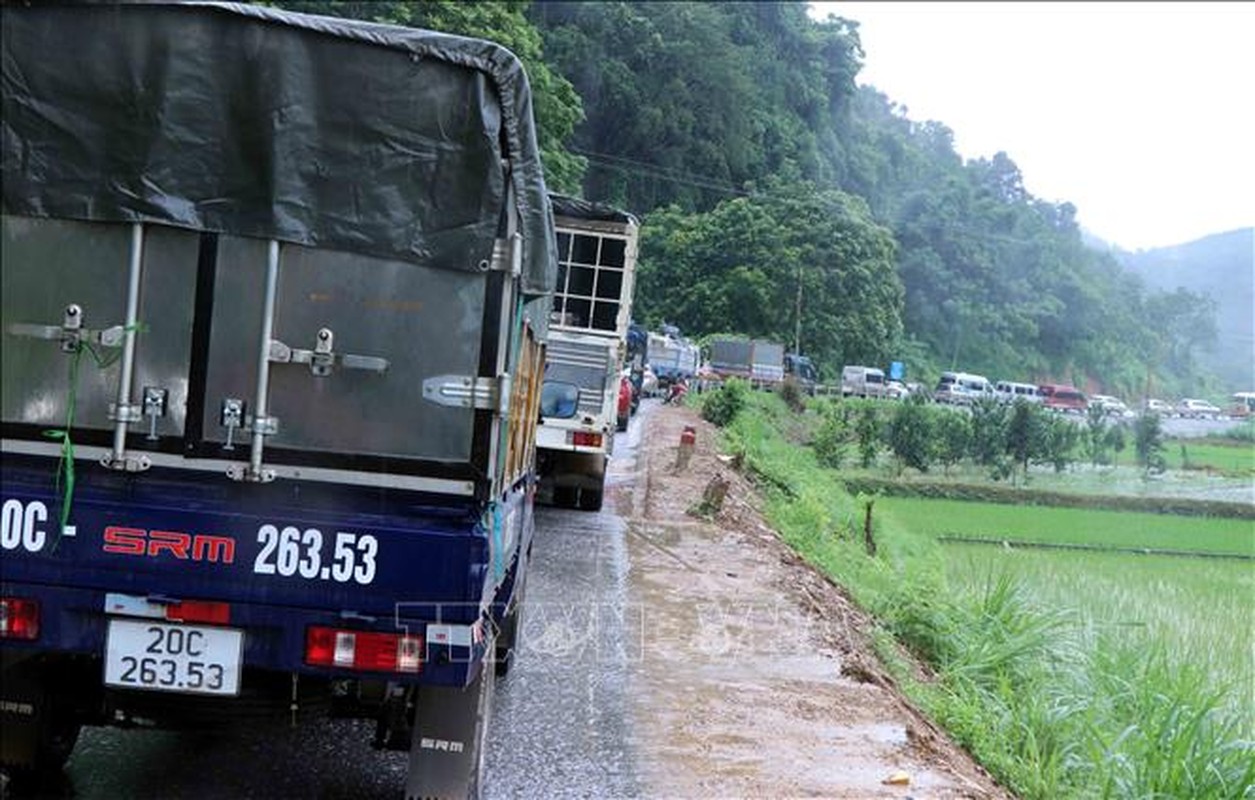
<point x="155" y="399"/>
<point x="231" y="417"/>
<point x="70" y="333"/>
<point x="323" y="358"/>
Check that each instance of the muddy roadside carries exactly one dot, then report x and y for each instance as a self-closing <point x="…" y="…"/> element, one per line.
<point x="756" y="675"/>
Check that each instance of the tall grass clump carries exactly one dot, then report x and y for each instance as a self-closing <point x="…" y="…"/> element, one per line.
<point x="1053" y="710"/>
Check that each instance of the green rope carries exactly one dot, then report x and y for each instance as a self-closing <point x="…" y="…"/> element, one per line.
<point x="64" y="480"/>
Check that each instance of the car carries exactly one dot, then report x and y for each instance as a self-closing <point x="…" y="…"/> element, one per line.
<point x="1193" y="408"/>
<point x="1114" y="406"/>
<point x="1011" y="391"/>
<point x="952" y="394"/>
<point x="1063" y="397"/>
<point x="896" y="390"/>
<point x="1161" y="407"/>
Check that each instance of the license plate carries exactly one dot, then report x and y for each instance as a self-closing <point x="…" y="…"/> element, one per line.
<point x="173" y="658"/>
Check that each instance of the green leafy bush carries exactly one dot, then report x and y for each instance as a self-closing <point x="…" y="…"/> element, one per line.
<point x="831" y="440"/>
<point x="721" y="407"/>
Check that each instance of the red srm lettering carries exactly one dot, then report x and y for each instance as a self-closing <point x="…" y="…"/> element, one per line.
<point x="127" y="541"/>
<point x="213" y="548"/>
<point x="176" y="543"/>
<point x="184" y="546"/>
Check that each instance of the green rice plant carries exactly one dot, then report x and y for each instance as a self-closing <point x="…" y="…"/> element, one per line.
<point x="1199" y="611"/>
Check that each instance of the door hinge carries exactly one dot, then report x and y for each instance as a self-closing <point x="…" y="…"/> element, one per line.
<point x="462" y="391"/>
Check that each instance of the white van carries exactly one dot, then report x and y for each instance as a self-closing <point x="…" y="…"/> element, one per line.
<point x="1010" y="391"/>
<point x="862" y="381"/>
<point x="962" y="388"/>
<point x="975" y="386"/>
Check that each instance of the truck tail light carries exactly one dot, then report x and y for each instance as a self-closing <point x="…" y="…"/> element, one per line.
<point x="363" y="650"/>
<point x="19" y="618"/>
<point x="585" y="439"/>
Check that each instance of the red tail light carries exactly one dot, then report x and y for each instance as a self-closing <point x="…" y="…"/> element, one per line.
<point x="19" y="618"/>
<point x="363" y="650"/>
<point x="583" y="439"/>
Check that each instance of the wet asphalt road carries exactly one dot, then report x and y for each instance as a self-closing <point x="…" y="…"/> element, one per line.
<point x="561" y="725"/>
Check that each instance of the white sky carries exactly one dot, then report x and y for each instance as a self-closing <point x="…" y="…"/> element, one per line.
<point x="1140" y="114"/>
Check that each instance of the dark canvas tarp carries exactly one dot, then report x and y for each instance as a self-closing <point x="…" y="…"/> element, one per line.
<point x="321" y="131"/>
<point x="578" y="208"/>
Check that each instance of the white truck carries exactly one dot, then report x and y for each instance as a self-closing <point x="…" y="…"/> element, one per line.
<point x="672" y="357"/>
<point x="592" y="309"/>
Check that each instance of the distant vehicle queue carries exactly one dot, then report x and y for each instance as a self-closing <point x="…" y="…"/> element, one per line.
<point x="965" y="388"/>
<point x="660" y="360"/>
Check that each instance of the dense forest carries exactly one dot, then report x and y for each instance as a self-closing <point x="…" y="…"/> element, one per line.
<point x="780" y="199"/>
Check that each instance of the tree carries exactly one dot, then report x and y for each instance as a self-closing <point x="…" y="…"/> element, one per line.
<point x="867" y="431"/>
<point x="1024" y="433"/>
<point x="953" y="436"/>
<point x="1096" y="434"/>
<point x="910" y="434"/>
<point x="739" y="267"/>
<point x="1148" y="442"/>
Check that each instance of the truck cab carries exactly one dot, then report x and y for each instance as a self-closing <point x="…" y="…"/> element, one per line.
<point x="587" y="346"/>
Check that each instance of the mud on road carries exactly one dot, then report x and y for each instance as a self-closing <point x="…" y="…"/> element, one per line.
<point x="756" y="676"/>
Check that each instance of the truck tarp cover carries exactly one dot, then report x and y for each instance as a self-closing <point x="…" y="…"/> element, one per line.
<point x="576" y="208"/>
<point x="347" y="135"/>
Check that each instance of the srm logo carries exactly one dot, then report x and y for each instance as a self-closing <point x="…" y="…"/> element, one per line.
<point x="196" y="547"/>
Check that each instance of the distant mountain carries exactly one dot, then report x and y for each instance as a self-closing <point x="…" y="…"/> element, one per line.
<point x="1220" y="266"/>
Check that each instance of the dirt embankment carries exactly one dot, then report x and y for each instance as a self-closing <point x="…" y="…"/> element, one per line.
<point x="757" y="676"/>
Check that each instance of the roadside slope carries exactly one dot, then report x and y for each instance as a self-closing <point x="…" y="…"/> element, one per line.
<point x="758" y="677"/>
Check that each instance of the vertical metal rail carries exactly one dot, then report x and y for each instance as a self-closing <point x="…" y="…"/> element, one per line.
<point x="123" y="410"/>
<point x="261" y="413"/>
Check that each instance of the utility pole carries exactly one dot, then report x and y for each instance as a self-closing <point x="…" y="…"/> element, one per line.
<point x="797" y="313"/>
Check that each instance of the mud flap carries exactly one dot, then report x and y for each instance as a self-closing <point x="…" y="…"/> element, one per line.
<point x="447" y="753"/>
<point x="38" y="735"/>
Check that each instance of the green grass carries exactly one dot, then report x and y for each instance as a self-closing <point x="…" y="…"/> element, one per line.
<point x="1071" y="525"/>
<point x="1228" y="457"/>
<point x="1065" y="682"/>
<point x="1199" y="612"/>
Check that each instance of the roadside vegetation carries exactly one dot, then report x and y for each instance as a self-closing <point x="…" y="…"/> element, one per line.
<point x="1066" y="674"/>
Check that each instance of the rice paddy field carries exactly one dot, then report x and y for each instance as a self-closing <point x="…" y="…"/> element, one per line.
<point x="1072" y="526"/>
<point x="1199" y="610"/>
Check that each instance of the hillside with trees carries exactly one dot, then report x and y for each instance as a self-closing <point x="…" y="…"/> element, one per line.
<point x="1220" y="268"/>
<point x="780" y="199"/>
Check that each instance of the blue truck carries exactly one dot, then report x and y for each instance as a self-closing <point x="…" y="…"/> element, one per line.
<point x="275" y="295"/>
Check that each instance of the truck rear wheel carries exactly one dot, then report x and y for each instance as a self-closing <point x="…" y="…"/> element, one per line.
<point x="564" y="496"/>
<point x="591" y="499"/>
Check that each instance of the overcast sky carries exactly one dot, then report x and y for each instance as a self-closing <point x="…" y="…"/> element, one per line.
<point x="1140" y="114"/>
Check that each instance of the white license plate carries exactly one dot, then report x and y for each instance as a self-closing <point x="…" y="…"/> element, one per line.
<point x="173" y="658"/>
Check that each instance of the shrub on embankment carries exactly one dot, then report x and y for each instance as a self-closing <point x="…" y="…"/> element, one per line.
<point x="1051" y="709"/>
